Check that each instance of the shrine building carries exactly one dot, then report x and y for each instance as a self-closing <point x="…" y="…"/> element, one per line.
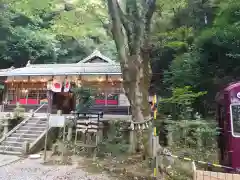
<point x="30" y="85"/>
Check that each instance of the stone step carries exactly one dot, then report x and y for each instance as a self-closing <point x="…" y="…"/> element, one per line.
<point x="38" y="119"/>
<point x="10" y="148"/>
<point x="43" y="124"/>
<point x="12" y="143"/>
<point x="37" y="122"/>
<point x="22" y="139"/>
<point x="32" y="128"/>
<point x="25" y="135"/>
<point x="16" y="153"/>
<point x="29" y="131"/>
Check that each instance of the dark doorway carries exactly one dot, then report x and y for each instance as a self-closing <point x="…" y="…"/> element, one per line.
<point x="64" y="101"/>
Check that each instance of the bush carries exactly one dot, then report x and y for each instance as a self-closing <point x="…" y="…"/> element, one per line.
<point x="115" y="144"/>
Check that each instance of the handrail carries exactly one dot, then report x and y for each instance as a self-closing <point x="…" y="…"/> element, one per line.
<point x="43" y="133"/>
<point x="38" y="109"/>
<point x="19" y="125"/>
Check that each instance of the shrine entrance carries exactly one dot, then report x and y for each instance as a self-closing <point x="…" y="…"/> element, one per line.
<point x="64" y="101"/>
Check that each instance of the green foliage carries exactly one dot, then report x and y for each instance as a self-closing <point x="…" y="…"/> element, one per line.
<point x="190" y="133"/>
<point x="183" y="96"/>
<point x="52" y="31"/>
<point x="116" y="144"/>
<point x="179" y="105"/>
<point x="197" y="46"/>
<point x="195" y="139"/>
<point x="184" y="71"/>
<point x="85" y="99"/>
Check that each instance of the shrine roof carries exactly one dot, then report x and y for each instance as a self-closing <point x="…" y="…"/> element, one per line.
<point x="96" y="63"/>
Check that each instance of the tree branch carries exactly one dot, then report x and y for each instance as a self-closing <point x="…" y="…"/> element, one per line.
<point x="148" y="18"/>
<point x="117" y="33"/>
<point x="139" y="21"/>
<point x="126" y="22"/>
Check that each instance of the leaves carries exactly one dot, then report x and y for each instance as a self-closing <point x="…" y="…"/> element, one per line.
<point x="183" y="96"/>
<point x="52" y="31"/>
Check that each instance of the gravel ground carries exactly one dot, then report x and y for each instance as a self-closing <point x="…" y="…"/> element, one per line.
<point x="28" y="169"/>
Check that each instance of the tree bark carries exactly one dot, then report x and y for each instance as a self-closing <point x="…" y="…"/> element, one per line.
<point x="145" y="84"/>
<point x="132" y="85"/>
<point x="130" y="30"/>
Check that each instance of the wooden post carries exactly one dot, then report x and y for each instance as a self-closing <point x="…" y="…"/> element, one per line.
<point x="63" y="147"/>
<point x="194" y="170"/>
<point x="49" y="97"/>
<point x="150" y="144"/>
<point x="69" y="136"/>
<point x="38" y="96"/>
<point x="54" y="149"/>
<point x="26" y="146"/>
<point x="155" y="137"/>
<point x="170" y="138"/>
<point x="132" y="142"/>
<point x="155" y="156"/>
<point x="46" y="138"/>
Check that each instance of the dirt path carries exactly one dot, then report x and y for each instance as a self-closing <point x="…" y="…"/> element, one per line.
<point x="28" y="169"/>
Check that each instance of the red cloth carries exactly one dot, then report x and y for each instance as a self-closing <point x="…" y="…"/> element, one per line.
<point x="109" y="102"/>
<point x="26" y="101"/>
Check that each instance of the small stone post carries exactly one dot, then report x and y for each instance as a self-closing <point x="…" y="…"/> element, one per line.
<point x="132" y="139"/>
<point x="70" y="125"/>
<point x="31" y="112"/>
<point x="6" y="126"/>
<point x="54" y="149"/>
<point x="26" y="147"/>
<point x="170" y="131"/>
<point x="59" y="112"/>
<point x="69" y="135"/>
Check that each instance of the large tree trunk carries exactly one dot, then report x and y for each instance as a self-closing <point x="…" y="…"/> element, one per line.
<point x="130" y="28"/>
<point x="145" y="84"/>
<point x="132" y="75"/>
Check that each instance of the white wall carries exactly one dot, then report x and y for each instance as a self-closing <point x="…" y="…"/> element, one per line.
<point x="123" y="101"/>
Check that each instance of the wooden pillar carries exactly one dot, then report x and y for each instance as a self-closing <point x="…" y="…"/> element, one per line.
<point x="38" y="95"/>
<point x="69" y="135"/>
<point x="105" y="91"/>
<point x="6" y="94"/>
<point x="17" y="92"/>
<point x="50" y="100"/>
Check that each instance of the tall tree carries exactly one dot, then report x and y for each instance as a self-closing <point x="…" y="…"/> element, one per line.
<point x="131" y="26"/>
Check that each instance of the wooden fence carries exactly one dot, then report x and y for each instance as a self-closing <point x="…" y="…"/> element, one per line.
<point x="210" y="175"/>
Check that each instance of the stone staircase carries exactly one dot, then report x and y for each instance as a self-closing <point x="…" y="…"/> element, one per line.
<point x="30" y="131"/>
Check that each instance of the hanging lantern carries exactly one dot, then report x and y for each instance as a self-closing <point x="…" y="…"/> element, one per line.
<point x="42" y="79"/>
<point x="49" y="85"/>
<point x="56" y="86"/>
<point x="110" y="79"/>
<point x="100" y="79"/>
<point x="79" y="83"/>
<point x="121" y="79"/>
<point x="67" y="85"/>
